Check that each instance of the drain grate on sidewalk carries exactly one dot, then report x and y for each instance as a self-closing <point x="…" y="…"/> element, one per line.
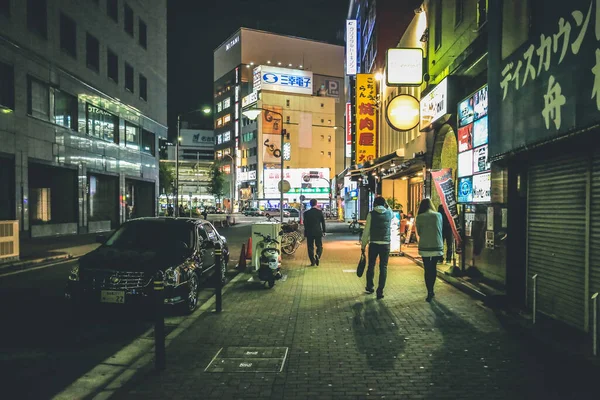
<point x="248" y="359"/>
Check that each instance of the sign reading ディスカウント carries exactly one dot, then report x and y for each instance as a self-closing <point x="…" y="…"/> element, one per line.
<point x="550" y="86"/>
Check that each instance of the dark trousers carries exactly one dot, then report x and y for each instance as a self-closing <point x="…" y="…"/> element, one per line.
<point x="311" y="241"/>
<point x="383" y="252"/>
<point x="429" y="264"/>
<point x="449" y="239"/>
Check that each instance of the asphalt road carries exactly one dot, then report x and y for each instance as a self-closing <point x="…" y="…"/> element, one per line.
<point x="45" y="345"/>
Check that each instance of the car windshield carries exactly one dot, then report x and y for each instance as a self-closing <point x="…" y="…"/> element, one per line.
<point x="156" y="236"/>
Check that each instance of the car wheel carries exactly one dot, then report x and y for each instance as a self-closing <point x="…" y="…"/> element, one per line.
<point x="191" y="301"/>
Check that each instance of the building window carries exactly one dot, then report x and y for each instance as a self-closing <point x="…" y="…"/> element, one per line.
<point x="143" y="88"/>
<point x="128" y="16"/>
<point x="92" y="52"/>
<point x="129" y="77"/>
<point x="42" y="211"/>
<point x="329" y="138"/>
<point x="438" y="25"/>
<point x="226" y="103"/>
<point x="226" y="119"/>
<point x="37" y="17"/>
<point x="226" y="136"/>
<point x="459" y="11"/>
<point x="112" y="65"/>
<point x="112" y="9"/>
<point x="143" y="34"/>
<point x="482" y="6"/>
<point x="38" y="100"/>
<point x="68" y="35"/>
<point x="132" y="136"/>
<point x="219" y="107"/>
<point x="148" y="142"/>
<point x="101" y="124"/>
<point x="7" y="86"/>
<point x="65" y="110"/>
<point x="287" y="102"/>
<point x="5" y="7"/>
<point x="219" y="123"/>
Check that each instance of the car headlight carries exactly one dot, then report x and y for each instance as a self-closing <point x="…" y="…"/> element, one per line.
<point x="171" y="277"/>
<point x="74" y="274"/>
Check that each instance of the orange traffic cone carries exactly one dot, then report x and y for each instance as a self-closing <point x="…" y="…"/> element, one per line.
<point x="242" y="262"/>
<point x="249" y="249"/>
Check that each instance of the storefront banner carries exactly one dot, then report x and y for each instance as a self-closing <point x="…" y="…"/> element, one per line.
<point x="366" y="118"/>
<point x="434" y="105"/>
<point x="271" y="134"/>
<point x="550" y="86"/>
<point x="445" y="189"/>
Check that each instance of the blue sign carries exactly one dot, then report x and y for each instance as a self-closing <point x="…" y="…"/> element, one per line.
<point x="465" y="190"/>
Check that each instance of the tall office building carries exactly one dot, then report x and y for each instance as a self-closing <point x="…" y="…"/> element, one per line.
<point x="82" y="106"/>
<point x="299" y="84"/>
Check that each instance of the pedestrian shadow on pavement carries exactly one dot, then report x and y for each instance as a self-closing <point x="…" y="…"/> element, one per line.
<point x="376" y="334"/>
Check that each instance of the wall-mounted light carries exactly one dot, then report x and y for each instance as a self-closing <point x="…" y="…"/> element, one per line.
<point x="268" y="62"/>
<point x="279" y="63"/>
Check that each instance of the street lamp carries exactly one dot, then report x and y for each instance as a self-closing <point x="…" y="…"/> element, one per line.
<point x="231" y="184"/>
<point x="206" y="111"/>
<point x="252" y="114"/>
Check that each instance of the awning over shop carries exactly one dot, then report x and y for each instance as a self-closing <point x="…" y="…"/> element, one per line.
<point x="391" y="166"/>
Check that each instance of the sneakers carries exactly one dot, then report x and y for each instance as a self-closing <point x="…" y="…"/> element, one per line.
<point x="370" y="291"/>
<point x="317" y="260"/>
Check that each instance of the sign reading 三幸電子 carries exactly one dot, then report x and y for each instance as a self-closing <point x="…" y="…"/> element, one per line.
<point x="283" y="80"/>
<point x="366" y="118"/>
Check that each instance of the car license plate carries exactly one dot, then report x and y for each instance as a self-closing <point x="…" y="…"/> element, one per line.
<point x="112" y="296"/>
<point x="273" y="264"/>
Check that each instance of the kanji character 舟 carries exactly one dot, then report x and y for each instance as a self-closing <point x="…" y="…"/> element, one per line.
<point x="553" y="101"/>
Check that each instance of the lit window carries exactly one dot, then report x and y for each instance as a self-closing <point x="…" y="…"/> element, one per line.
<point x="226" y="119"/>
<point x="226" y="103"/>
<point x="219" y="139"/>
<point x="226" y="136"/>
<point x="219" y="107"/>
<point x="219" y="123"/>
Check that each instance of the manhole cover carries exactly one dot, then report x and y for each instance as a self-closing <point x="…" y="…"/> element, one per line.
<point x="248" y="359"/>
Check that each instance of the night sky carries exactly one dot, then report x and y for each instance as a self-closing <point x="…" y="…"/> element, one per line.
<point x="197" y="27"/>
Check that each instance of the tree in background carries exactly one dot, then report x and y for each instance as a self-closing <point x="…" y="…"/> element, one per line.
<point x="393" y="205"/>
<point x="166" y="179"/>
<point x="216" y="183"/>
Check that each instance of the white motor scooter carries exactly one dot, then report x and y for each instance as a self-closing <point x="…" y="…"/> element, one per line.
<point x="267" y="260"/>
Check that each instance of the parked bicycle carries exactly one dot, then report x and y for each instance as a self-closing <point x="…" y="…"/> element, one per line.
<point x="292" y="235"/>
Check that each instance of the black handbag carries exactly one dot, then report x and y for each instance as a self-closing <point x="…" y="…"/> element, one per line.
<point x="362" y="263"/>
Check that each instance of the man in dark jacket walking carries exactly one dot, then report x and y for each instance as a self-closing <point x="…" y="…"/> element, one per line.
<point x="314" y="230"/>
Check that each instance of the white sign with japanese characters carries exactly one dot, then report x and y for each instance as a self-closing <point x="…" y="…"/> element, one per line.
<point x="283" y="80"/>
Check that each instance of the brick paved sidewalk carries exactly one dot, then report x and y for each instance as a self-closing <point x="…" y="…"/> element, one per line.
<point x="345" y="344"/>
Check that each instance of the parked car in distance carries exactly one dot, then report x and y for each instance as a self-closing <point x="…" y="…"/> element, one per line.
<point x="122" y="269"/>
<point x="294" y="213"/>
<point x="253" y="212"/>
<point x="274" y="212"/>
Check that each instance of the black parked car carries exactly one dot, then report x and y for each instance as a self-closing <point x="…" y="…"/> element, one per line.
<point x="122" y="269"/>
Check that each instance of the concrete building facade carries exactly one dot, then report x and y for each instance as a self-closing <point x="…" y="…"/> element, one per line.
<point x="83" y="101"/>
<point x="236" y="62"/>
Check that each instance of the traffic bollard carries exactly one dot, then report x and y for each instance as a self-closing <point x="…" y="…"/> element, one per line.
<point x="159" y="322"/>
<point x="219" y="278"/>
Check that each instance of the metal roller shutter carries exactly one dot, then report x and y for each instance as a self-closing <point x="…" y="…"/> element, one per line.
<point x="595" y="228"/>
<point x="556" y="236"/>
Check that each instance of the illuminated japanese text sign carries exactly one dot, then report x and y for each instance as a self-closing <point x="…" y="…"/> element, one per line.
<point x="283" y="80"/>
<point x="550" y="86"/>
<point x="434" y="105"/>
<point x="366" y="118"/>
<point x="351" y="47"/>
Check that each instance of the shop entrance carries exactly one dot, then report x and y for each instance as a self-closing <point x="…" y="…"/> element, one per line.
<point x="52" y="200"/>
<point x="103" y="202"/>
<point x="140" y="200"/>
